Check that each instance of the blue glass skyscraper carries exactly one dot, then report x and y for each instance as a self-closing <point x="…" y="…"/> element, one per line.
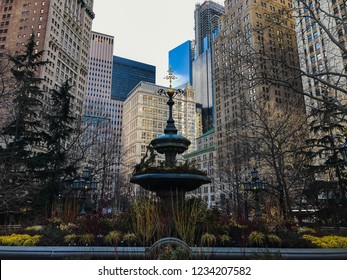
<point x="126" y="74"/>
<point x="180" y="59"/>
<point x="206" y="17"/>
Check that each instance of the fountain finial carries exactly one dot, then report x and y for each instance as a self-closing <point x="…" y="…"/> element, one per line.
<point x="170" y="128"/>
<point x="170" y="92"/>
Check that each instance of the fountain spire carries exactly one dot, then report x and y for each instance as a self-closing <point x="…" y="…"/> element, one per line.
<point x="171" y="93"/>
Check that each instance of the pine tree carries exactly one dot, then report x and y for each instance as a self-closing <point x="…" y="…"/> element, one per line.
<point x="23" y="133"/>
<point x="327" y="166"/>
<point x="25" y="130"/>
<point x="55" y="165"/>
<point x="60" y="125"/>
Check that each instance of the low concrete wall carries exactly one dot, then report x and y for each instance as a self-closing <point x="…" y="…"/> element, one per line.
<point x="133" y="253"/>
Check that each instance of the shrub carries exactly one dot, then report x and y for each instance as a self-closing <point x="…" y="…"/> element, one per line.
<point x="70" y="239"/>
<point x="332" y="241"/>
<point x="19" y="240"/>
<point x="145" y="220"/>
<point x="208" y="239"/>
<point x="256" y="238"/>
<point x="306" y="230"/>
<point x="70" y="227"/>
<point x="187" y="218"/>
<point x="35" y="228"/>
<point x="112" y="238"/>
<point x="224" y="239"/>
<point x="129" y="238"/>
<point x="55" y="221"/>
<point x="85" y="239"/>
<point x="274" y="239"/>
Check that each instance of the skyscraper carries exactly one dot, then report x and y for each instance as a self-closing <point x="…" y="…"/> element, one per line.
<point x="180" y="60"/>
<point x="102" y="117"/>
<point x="126" y="74"/>
<point x="206" y="29"/>
<point x="254" y="57"/>
<point x="62" y="29"/>
<point x="322" y="35"/>
<point x="322" y="45"/>
<point x="206" y="16"/>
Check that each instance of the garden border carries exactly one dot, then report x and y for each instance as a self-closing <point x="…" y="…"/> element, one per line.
<point x="141" y="253"/>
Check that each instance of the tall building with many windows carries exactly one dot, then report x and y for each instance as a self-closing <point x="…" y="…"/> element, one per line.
<point x="63" y="30"/>
<point x="206" y="17"/>
<point x="102" y="119"/>
<point x="321" y="28"/>
<point x="204" y="158"/>
<point x="145" y="118"/>
<point x="126" y="74"/>
<point x="255" y="60"/>
<point x="181" y="59"/>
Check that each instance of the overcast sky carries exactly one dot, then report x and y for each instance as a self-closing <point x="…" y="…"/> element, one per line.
<point x="146" y="30"/>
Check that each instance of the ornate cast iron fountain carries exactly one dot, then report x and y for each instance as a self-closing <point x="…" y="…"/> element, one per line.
<point x="169" y="182"/>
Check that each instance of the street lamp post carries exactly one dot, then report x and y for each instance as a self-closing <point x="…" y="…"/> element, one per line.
<point x="343" y="151"/>
<point x="256" y="186"/>
<point x="84" y="184"/>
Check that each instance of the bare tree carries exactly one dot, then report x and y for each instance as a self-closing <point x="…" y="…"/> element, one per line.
<point x="256" y="61"/>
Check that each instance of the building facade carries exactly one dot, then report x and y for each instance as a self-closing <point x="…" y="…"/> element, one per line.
<point x="145" y="118"/>
<point x="126" y="74"/>
<point x="205" y="160"/>
<point x="181" y="59"/>
<point x="323" y="49"/>
<point x="63" y="30"/>
<point x="206" y="17"/>
<point x="252" y="58"/>
<point x="203" y="86"/>
<point x="321" y="28"/>
<point x="102" y="119"/>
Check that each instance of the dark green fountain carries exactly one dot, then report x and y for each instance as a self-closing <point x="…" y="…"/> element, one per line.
<point x="169" y="182"/>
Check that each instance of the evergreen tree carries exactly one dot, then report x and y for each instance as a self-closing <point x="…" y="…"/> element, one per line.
<point x="23" y="133"/>
<point x="25" y="130"/>
<point x="328" y="188"/>
<point x="60" y="125"/>
<point x="55" y="162"/>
